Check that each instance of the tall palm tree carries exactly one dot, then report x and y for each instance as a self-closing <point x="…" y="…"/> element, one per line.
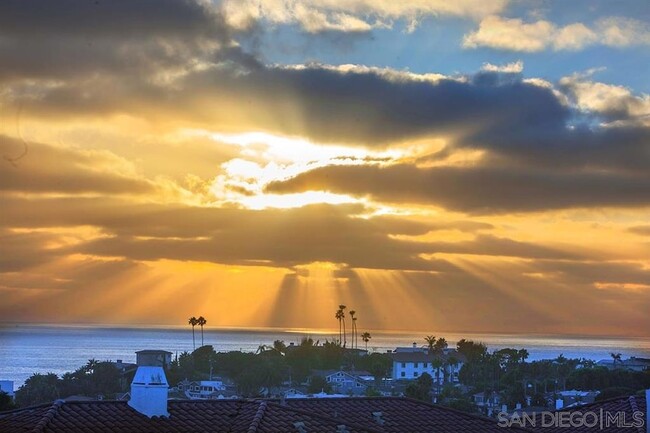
<point x="352" y="313"/>
<point x="201" y="321"/>
<point x="345" y="336"/>
<point x="356" y="333"/>
<point x="279" y="346"/>
<point x="616" y="357"/>
<point x="339" y="316"/>
<point x="431" y="342"/>
<point x="193" y="321"/>
<point x="366" y="337"/>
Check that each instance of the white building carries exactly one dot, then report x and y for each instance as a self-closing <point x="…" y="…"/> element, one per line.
<point x="202" y="390"/>
<point x="411" y="364"/>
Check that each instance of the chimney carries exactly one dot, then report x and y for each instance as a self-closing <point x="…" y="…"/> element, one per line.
<point x="149" y="391"/>
<point x="415" y="345"/>
<point x="559" y="404"/>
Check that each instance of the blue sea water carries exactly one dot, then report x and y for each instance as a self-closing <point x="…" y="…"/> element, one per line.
<point x="28" y="349"/>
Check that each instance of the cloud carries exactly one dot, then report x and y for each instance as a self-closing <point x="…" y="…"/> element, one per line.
<point x="78" y="38"/>
<point x="611" y="102"/>
<point x="48" y="169"/>
<point x="477" y="190"/>
<point x="640" y="230"/>
<point x="314" y="16"/>
<point x="510" y="68"/>
<point x="368" y="106"/>
<point x="514" y="34"/>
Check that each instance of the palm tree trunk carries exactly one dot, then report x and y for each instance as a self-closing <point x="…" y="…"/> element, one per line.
<point x="201" y="335"/>
<point x="193" y="340"/>
<point x="345" y="336"/>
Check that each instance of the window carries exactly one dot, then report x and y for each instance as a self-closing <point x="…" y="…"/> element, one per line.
<point x="415" y="374"/>
<point x="425" y="365"/>
<point x="417" y="364"/>
<point x="403" y="364"/>
<point x="403" y="374"/>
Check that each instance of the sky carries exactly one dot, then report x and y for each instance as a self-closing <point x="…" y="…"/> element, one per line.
<point x="476" y="165"/>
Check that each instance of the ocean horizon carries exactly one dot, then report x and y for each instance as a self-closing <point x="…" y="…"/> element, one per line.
<point x="26" y="349"/>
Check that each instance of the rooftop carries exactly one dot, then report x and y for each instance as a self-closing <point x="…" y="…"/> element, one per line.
<point x="371" y="415"/>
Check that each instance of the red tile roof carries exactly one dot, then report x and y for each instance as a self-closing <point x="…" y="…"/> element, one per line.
<point x="352" y="415"/>
<point x="626" y="404"/>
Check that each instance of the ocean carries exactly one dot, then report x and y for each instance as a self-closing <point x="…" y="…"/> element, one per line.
<point x="28" y="349"/>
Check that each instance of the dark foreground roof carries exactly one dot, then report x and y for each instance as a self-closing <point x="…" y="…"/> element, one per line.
<point x="628" y="405"/>
<point x="353" y="415"/>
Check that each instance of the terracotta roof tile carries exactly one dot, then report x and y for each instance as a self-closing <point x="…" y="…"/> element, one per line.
<point x="349" y="415"/>
<point x="626" y="404"/>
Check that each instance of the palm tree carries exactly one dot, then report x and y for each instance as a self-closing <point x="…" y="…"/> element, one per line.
<point x="366" y="337"/>
<point x="616" y="357"/>
<point x="356" y="333"/>
<point x="193" y="321"/>
<point x="440" y="345"/>
<point x="345" y="337"/>
<point x="339" y="316"/>
<point x="201" y="321"/>
<point x="279" y="346"/>
<point x="352" y="313"/>
<point x="431" y="342"/>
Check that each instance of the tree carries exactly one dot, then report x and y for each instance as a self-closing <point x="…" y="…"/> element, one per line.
<point x="421" y="388"/>
<point x="6" y="402"/>
<point x="616" y="357"/>
<point x="38" y="388"/>
<point x="339" y="316"/>
<point x="352" y="313"/>
<point x="201" y="321"/>
<point x="366" y="338"/>
<point x="471" y="351"/>
<point x="431" y="342"/>
<point x="319" y="384"/>
<point x="193" y="321"/>
<point x="345" y="335"/>
<point x="440" y="345"/>
<point x="280" y="347"/>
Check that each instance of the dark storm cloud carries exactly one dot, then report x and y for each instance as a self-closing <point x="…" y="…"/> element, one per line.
<point x="69" y="38"/>
<point x="46" y="168"/>
<point x="114" y="19"/>
<point x="476" y="190"/>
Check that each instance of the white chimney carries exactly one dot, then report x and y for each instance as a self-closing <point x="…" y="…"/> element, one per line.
<point x="149" y="391"/>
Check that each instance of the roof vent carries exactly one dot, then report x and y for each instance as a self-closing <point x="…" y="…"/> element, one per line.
<point x="300" y="427"/>
<point x="342" y="428"/>
<point x="149" y="391"/>
<point x="377" y="416"/>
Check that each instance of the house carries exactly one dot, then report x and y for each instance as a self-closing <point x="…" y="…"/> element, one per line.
<point x="628" y="413"/>
<point x="411" y="364"/>
<point x="346" y="382"/>
<point x="633" y="363"/>
<point x="123" y="366"/>
<point x="489" y="403"/>
<point x="203" y="389"/>
<point x="154" y="358"/>
<point x="149" y="410"/>
<point x="572" y="398"/>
